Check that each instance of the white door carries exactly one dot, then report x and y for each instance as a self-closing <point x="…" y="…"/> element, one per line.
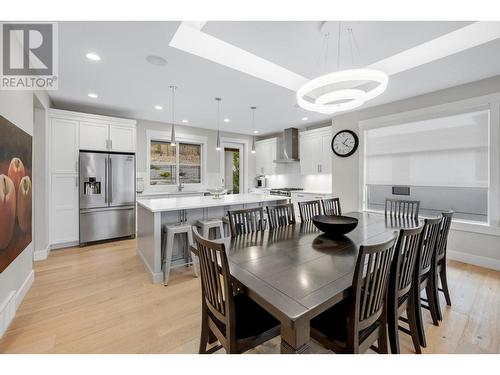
<point x="94" y="136"/>
<point x="122" y="138"/>
<point x="310" y="154"/>
<point x="64" y="208"/>
<point x="64" y="146"/>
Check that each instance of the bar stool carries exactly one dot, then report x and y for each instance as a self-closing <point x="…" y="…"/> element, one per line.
<point x="207" y="224"/>
<point x="168" y="246"/>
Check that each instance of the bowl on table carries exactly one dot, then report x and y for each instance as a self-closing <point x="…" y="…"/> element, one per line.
<point x="335" y="225"/>
<point x="217" y="193"/>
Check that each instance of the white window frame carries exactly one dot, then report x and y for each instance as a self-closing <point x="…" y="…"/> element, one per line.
<point x="164" y="136"/>
<point x="487" y="102"/>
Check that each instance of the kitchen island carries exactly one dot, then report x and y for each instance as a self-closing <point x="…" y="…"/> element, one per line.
<point x="153" y="214"/>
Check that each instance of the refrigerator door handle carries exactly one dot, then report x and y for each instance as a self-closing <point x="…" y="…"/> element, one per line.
<point x="106" y="181"/>
<point x="110" y="181"/>
<point x="91" y="210"/>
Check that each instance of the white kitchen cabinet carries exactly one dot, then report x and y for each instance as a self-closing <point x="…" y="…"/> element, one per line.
<point x="64" y="146"/>
<point x="304" y="196"/>
<point x="121" y="138"/>
<point x="315" y="151"/>
<point x="64" y="209"/>
<point x="265" y="156"/>
<point x="97" y="136"/>
<point x="94" y="136"/>
<point x="70" y="133"/>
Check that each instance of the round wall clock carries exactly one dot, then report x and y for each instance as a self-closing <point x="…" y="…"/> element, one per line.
<point x="345" y="143"/>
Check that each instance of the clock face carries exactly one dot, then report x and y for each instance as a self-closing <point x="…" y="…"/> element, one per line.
<point x="345" y="143"/>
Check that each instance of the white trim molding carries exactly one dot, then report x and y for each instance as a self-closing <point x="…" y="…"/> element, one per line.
<point x="476" y="260"/>
<point x="41" y="254"/>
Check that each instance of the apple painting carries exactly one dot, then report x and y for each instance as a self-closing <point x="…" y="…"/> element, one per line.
<point x="16" y="191"/>
<point x="7" y="210"/>
<point x="24" y="204"/>
<point x="16" y="172"/>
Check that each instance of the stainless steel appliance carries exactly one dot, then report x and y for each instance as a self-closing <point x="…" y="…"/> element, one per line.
<point x="260" y="181"/>
<point x="107" y="196"/>
<point x="284" y="192"/>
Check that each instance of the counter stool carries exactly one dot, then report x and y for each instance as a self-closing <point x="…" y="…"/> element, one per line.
<point x="168" y="246"/>
<point x="215" y="224"/>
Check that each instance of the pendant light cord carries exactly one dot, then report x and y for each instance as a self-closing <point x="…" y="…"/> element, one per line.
<point x="173" y="103"/>
<point x="338" y="47"/>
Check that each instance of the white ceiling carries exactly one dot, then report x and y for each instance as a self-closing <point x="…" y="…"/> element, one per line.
<point x="128" y="86"/>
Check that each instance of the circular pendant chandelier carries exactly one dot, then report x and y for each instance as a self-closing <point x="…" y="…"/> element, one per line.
<point x="327" y="94"/>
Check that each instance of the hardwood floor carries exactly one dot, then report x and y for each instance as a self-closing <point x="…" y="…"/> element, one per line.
<point x="98" y="299"/>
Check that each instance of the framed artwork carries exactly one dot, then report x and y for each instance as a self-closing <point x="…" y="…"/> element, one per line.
<point x="15" y="191"/>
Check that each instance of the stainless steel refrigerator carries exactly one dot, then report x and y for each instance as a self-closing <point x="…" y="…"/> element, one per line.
<point x="107" y="196"/>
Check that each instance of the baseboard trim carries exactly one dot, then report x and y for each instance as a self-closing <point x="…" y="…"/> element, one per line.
<point x="41" y="254"/>
<point x="476" y="260"/>
<point x="62" y="245"/>
<point x="10" y="305"/>
<point x="26" y="285"/>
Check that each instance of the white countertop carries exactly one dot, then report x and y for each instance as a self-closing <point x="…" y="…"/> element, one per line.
<point x="160" y="193"/>
<point x="186" y="203"/>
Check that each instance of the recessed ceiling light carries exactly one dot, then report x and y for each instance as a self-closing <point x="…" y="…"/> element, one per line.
<point x="304" y="118"/>
<point x="185" y="121"/>
<point x="227" y="120"/>
<point x="93" y="56"/>
<point x="255" y="132"/>
<point x="156" y="60"/>
<point x="92" y="95"/>
<point x="158" y="107"/>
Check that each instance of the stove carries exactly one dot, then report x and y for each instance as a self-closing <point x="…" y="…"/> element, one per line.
<point x="284" y="192"/>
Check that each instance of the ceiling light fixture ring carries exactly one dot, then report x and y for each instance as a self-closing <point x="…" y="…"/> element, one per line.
<point x="351" y="75"/>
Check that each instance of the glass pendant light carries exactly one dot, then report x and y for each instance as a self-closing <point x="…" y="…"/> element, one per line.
<point x="217" y="147"/>
<point x="172" y="135"/>
<point x="253" y="129"/>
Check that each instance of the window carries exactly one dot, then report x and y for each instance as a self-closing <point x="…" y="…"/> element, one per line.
<point x="170" y="164"/>
<point x="442" y="161"/>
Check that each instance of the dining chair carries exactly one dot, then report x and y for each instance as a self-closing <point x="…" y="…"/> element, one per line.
<point x="402" y="209"/>
<point x="354" y="324"/>
<point x="309" y="209"/>
<point x="280" y="215"/>
<point x="246" y="221"/>
<point x="424" y="278"/>
<point x="331" y="206"/>
<point x="228" y="315"/>
<point x="441" y="244"/>
<point x="401" y="290"/>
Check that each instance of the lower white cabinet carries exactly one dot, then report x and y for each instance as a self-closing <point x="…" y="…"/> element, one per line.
<point x="64" y="209"/>
<point x="300" y="196"/>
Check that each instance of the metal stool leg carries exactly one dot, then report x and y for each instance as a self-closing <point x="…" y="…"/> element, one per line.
<point x="168" y="257"/>
<point x="194" y="258"/>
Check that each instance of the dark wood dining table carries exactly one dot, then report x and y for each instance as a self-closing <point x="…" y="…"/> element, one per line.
<point x="296" y="272"/>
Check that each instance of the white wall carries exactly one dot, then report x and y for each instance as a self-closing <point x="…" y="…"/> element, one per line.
<point x="479" y="248"/>
<point x="16" y="279"/>
<point x="213" y="156"/>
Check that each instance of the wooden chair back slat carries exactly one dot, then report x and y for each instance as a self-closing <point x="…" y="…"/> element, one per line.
<point x="331" y="206"/>
<point x="245" y="221"/>
<point x="309" y="209"/>
<point x="405" y="260"/>
<point x="402" y="208"/>
<point x="280" y="215"/>
<point x="370" y="282"/>
<point x="427" y="245"/>
<point x="442" y="238"/>
<point x="215" y="279"/>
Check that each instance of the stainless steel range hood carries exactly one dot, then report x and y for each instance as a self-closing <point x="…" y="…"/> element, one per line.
<point x="287" y="150"/>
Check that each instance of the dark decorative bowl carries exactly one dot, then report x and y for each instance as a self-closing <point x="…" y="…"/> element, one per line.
<point x="335" y="225"/>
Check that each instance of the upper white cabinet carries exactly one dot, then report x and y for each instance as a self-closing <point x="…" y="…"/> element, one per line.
<point x="265" y="156"/>
<point x="94" y="136"/>
<point x="64" y="145"/>
<point x="122" y="138"/>
<point x="100" y="136"/>
<point x="315" y="151"/>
